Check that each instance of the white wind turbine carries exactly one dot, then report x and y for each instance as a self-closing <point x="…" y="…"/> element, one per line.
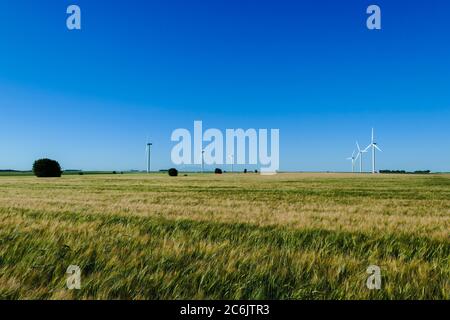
<point x="353" y="160"/>
<point x="149" y="145"/>
<point x="203" y="161"/>
<point x="231" y="157"/>
<point x="360" y="155"/>
<point x="374" y="146"/>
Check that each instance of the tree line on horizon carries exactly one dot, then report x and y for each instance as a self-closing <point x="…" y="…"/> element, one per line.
<point x="406" y="172"/>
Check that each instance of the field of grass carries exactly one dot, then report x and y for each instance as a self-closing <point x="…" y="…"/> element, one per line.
<point x="289" y="236"/>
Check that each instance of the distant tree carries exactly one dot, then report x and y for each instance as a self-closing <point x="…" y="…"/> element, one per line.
<point x="46" y="168"/>
<point x="245" y="170"/>
<point x="256" y="171"/>
<point x="173" y="172"/>
<point x="114" y="172"/>
<point x="218" y="171"/>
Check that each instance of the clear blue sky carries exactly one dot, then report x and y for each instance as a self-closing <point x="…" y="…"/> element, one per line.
<point x="137" y="68"/>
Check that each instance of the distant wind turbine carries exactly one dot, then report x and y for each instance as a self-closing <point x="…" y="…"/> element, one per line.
<point x="353" y="160"/>
<point x="149" y="145"/>
<point x="231" y="157"/>
<point x="203" y="161"/>
<point x="360" y="155"/>
<point x="374" y="146"/>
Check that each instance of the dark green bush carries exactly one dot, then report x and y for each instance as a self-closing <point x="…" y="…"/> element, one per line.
<point x="173" y="172"/>
<point x="218" y="171"/>
<point x="46" y="168"/>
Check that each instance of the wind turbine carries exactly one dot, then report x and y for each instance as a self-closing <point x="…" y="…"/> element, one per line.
<point x="203" y="161"/>
<point x="148" y="156"/>
<point x="353" y="160"/>
<point x="360" y="155"/>
<point x="231" y="157"/>
<point x="374" y="146"/>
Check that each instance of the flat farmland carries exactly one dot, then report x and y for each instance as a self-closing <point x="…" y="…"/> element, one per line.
<point x="230" y="236"/>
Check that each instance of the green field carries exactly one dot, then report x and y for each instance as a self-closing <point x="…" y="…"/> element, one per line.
<point x="289" y="236"/>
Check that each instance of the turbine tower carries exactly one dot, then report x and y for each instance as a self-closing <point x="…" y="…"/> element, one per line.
<point x="148" y="156"/>
<point x="353" y="160"/>
<point x="231" y="157"/>
<point x="374" y="146"/>
<point x="360" y="155"/>
<point x="203" y="161"/>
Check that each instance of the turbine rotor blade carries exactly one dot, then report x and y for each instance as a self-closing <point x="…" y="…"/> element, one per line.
<point x="377" y="147"/>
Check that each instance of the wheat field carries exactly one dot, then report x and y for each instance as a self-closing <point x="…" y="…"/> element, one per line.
<point x="230" y="236"/>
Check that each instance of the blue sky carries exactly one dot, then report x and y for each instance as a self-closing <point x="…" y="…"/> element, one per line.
<point x="141" y="69"/>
